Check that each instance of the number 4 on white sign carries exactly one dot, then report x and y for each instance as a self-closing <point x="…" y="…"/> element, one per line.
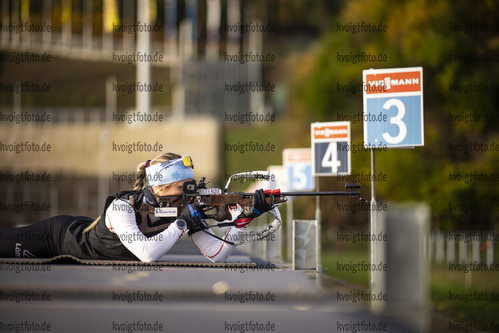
<point x="330" y="159"/>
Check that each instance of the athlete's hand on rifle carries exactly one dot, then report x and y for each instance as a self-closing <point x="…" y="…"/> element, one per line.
<point x="260" y="206"/>
<point x="192" y="215"/>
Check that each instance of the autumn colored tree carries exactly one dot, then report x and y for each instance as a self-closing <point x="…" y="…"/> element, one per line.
<point x="457" y="44"/>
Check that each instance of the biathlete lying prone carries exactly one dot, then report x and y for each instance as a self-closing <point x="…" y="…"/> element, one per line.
<point x="115" y="235"/>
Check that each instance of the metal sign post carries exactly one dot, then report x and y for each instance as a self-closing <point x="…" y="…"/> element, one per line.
<point x="331" y="156"/>
<point x="297" y="165"/>
<point x="377" y="250"/>
<point x="318" y="228"/>
<point x="393" y="118"/>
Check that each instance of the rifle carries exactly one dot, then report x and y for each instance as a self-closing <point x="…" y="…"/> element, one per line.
<point x="219" y="203"/>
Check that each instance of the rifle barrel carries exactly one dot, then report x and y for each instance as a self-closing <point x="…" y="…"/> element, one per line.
<point x="297" y="194"/>
<point x="320" y="193"/>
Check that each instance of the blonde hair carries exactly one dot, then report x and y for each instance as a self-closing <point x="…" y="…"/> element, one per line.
<point x="141" y="182"/>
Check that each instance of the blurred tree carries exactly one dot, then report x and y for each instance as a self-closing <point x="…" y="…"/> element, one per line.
<point x="461" y="63"/>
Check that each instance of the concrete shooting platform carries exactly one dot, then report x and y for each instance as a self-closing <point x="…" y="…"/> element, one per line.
<point x="247" y="294"/>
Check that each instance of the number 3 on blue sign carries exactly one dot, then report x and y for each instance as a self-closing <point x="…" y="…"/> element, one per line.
<point x="396" y="120"/>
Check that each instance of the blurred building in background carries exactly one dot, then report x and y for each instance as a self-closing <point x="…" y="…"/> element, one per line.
<point x="63" y="158"/>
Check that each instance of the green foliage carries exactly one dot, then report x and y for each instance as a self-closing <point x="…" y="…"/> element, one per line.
<point x="423" y="33"/>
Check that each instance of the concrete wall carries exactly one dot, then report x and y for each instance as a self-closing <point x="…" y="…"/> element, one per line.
<point x="88" y="148"/>
<point x="84" y="164"/>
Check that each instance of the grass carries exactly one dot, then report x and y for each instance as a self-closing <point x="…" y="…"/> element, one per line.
<point x="332" y="259"/>
<point x="454" y="294"/>
<point x="449" y="290"/>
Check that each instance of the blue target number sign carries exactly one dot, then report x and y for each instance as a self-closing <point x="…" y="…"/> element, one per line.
<point x="393" y="107"/>
<point x="297" y="163"/>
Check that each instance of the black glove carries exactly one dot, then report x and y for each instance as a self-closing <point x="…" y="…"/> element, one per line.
<point x="193" y="215"/>
<point x="260" y="206"/>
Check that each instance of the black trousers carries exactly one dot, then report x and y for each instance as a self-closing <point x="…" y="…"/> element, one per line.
<point x="39" y="240"/>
